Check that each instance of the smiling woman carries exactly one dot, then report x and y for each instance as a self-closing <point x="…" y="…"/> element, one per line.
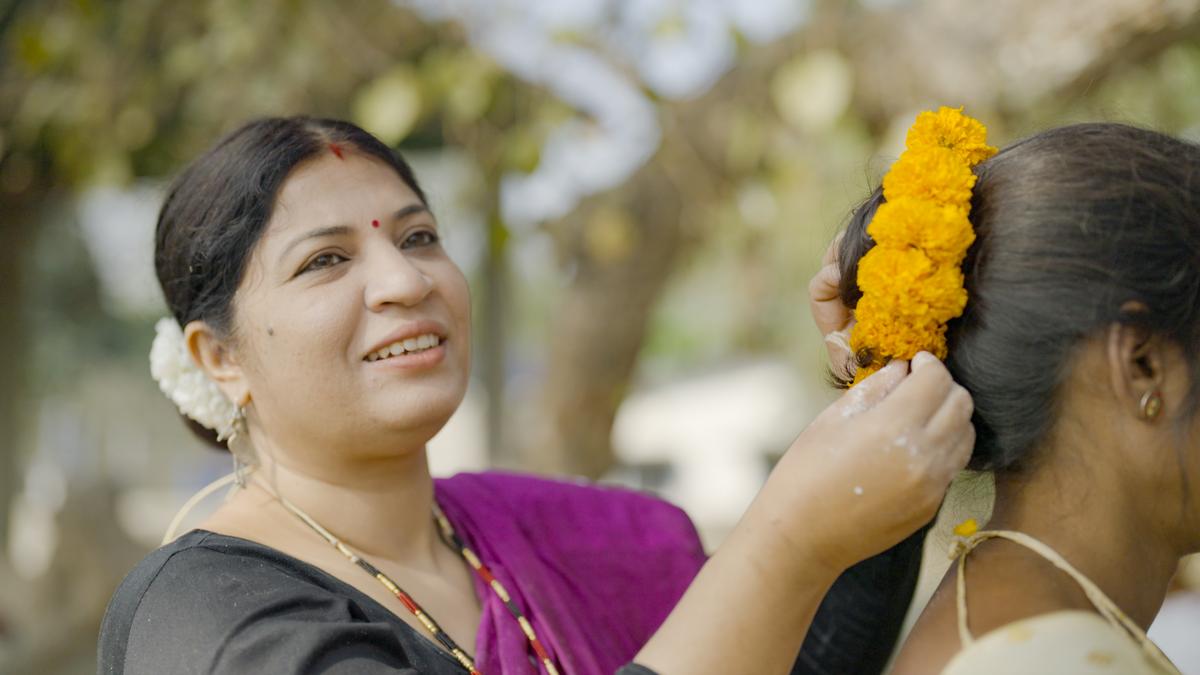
<point x="312" y="300"/>
<point x="336" y="291"/>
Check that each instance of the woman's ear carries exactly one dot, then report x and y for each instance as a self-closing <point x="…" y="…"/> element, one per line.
<point x="1137" y="362"/>
<point x="217" y="360"/>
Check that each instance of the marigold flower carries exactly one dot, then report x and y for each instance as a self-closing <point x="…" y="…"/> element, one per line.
<point x="912" y="280"/>
<point x="883" y="338"/>
<point x="950" y="128"/>
<point x="907" y="300"/>
<point x="936" y="174"/>
<point x="887" y="337"/>
<point x="910" y="285"/>
<point x="943" y="232"/>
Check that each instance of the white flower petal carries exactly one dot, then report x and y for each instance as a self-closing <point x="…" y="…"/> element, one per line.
<point x="182" y="380"/>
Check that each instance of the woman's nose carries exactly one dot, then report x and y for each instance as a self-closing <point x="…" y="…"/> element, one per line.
<point x="393" y="278"/>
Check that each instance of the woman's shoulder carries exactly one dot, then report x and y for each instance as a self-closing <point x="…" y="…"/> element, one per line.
<point x="1067" y="641"/>
<point x="190" y="593"/>
<point x="210" y="567"/>
<point x="214" y="603"/>
<point x="196" y="560"/>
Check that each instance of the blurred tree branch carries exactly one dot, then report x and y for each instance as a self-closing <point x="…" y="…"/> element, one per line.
<point x="999" y="57"/>
<point x="1003" y="57"/>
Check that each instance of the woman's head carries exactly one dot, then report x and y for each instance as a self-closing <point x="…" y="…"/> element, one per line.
<point x="1088" y="236"/>
<point x="291" y="253"/>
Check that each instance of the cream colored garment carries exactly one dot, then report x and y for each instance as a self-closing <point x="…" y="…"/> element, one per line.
<point x="1059" y="643"/>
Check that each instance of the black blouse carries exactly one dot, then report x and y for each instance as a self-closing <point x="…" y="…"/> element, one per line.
<point x="214" y="604"/>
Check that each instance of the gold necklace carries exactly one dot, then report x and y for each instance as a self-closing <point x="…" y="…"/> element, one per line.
<point x="451" y="538"/>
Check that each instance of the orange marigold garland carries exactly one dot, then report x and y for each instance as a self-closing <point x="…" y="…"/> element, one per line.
<point x="912" y="280"/>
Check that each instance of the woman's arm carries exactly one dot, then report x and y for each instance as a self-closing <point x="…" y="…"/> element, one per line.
<point x="856" y="627"/>
<point x="868" y="472"/>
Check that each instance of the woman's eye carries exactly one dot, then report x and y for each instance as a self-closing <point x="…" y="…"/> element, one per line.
<point x="420" y="238"/>
<point x="322" y="261"/>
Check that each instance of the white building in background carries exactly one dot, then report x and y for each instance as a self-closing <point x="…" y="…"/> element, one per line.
<point x="709" y="440"/>
<point x="706" y="442"/>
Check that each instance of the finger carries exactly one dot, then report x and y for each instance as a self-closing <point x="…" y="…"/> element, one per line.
<point x="955" y="414"/>
<point x="920" y="395"/>
<point x="945" y="463"/>
<point x="839" y="340"/>
<point x="960" y="453"/>
<point x="831" y="253"/>
<point x="841" y="356"/>
<point x="965" y="448"/>
<point x="875" y="388"/>
<point x="826" y="284"/>
<point x="825" y="301"/>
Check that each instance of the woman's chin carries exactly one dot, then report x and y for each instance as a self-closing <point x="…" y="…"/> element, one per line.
<point x="416" y="420"/>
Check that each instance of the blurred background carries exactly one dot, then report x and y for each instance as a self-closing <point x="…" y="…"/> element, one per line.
<point x="638" y="190"/>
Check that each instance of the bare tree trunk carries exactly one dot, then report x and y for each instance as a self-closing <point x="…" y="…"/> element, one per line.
<point x="620" y="269"/>
<point x="492" y="343"/>
<point x="15" y="241"/>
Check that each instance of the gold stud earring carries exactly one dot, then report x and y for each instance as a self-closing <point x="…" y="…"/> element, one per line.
<point x="1151" y="405"/>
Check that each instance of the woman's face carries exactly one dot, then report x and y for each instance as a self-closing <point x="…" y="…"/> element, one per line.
<point x="352" y="324"/>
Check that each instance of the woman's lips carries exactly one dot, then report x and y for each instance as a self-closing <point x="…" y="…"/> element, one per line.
<point x="426" y="332"/>
<point x="419" y="360"/>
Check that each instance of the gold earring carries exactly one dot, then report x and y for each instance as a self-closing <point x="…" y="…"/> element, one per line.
<point x="235" y="425"/>
<point x="1151" y="405"/>
<point x="237" y="437"/>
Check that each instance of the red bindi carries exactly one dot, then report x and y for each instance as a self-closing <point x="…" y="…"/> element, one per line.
<point x="336" y="149"/>
<point x="374" y="223"/>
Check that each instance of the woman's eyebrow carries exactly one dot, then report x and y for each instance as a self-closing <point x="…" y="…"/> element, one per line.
<point x="330" y="231"/>
<point x="410" y="210"/>
<point x="335" y="230"/>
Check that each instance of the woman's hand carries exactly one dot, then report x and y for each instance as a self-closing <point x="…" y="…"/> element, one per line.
<point x="869" y="471"/>
<point x="833" y="318"/>
<point x="892" y="444"/>
<point x="875" y="465"/>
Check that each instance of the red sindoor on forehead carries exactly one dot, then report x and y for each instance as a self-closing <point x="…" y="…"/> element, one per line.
<point x="374" y="223"/>
<point x="337" y="150"/>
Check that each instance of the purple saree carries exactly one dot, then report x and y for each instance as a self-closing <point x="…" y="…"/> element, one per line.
<point x="595" y="569"/>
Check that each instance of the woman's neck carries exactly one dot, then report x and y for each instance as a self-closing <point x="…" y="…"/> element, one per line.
<point x="379" y="507"/>
<point x="1098" y="524"/>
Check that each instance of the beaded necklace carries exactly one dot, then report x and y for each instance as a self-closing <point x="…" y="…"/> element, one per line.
<point x="451" y="538"/>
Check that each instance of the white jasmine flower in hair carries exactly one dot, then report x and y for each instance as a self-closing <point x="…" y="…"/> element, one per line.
<point x="182" y="380"/>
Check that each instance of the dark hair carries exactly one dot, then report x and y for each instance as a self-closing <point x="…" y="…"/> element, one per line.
<point x="1072" y="224"/>
<point x="216" y="210"/>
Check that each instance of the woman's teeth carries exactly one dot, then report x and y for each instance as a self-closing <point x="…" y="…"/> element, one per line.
<point x="413" y="344"/>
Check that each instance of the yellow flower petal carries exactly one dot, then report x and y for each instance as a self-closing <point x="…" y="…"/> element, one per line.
<point x="907" y="284"/>
<point x="864" y="372"/>
<point x="950" y="128"/>
<point x="886" y="336"/>
<point x="966" y="528"/>
<point x="912" y="280"/>
<point x="933" y="173"/>
<point x="943" y="232"/>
